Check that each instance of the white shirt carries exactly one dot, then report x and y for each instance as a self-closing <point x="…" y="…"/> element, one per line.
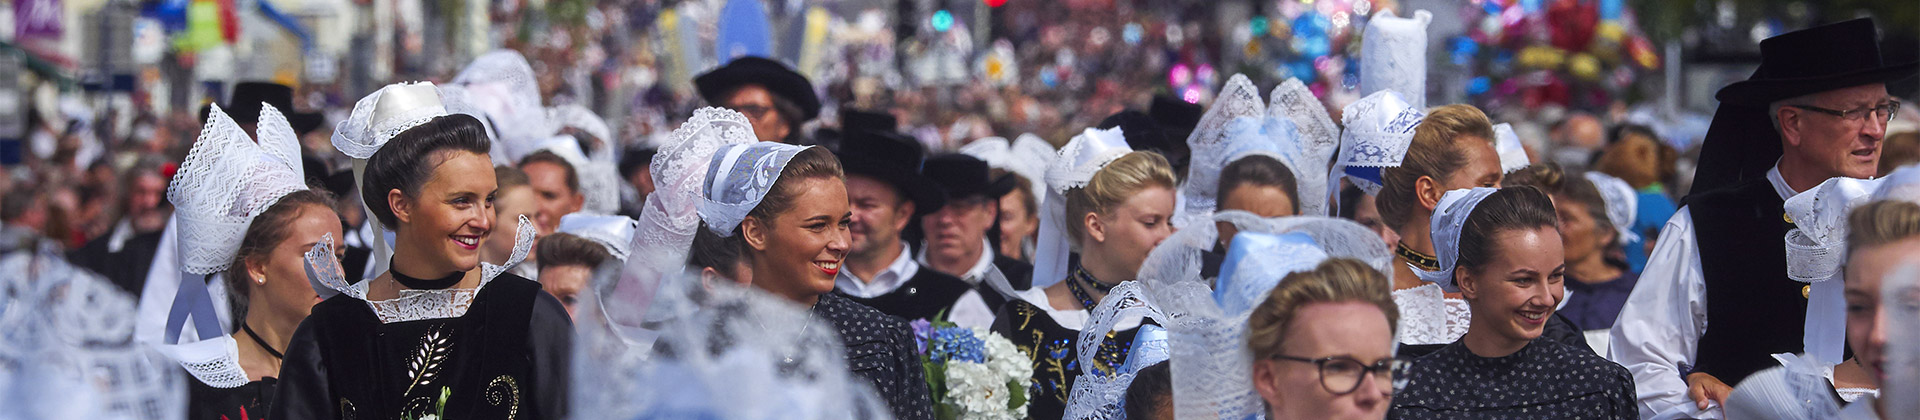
<point x="1660" y="325"/>
<point x="902" y="269"/>
<point x="971" y="310"/>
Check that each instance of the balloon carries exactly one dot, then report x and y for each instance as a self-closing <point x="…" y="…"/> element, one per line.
<point x="1541" y="57"/>
<point x="1584" y="66"/>
<point x="1610" y="10"/>
<point x="1479" y="85"/>
<point x="1572" y="24"/>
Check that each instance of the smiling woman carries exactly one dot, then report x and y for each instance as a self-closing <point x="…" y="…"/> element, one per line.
<point x="785" y="208"/>
<point x="439" y="334"/>
<point x="1505" y="256"/>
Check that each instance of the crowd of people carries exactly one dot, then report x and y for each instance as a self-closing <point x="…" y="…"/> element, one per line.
<point x="463" y="249"/>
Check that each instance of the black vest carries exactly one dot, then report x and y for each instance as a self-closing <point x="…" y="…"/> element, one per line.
<point x="482" y="359"/>
<point x="927" y="295"/>
<point x="1753" y="309"/>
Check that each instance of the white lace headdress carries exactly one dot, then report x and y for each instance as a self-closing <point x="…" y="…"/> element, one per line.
<point x="1318" y="142"/>
<point x="613" y="232"/>
<point x="1210" y="362"/>
<point x="1026" y="156"/>
<point x="1622" y="202"/>
<point x="1513" y="154"/>
<point x="1098" y="396"/>
<point x="1211" y="139"/>
<point x="668" y="221"/>
<point x="1379" y="130"/>
<point x="1073" y="167"/>
<point x="1816" y="251"/>
<point x="226" y="181"/>
<point x="578" y="117"/>
<point x="738" y="177"/>
<point x="1448" y="219"/>
<point x="1279" y="139"/>
<point x="599" y="180"/>
<point x="1393" y="56"/>
<point x="69" y="347"/>
<point x="504" y="87"/>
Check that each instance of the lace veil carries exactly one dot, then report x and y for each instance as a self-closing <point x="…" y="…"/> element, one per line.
<point x="1210" y="361"/>
<point x="1393" y="56"/>
<point x="226" y="180"/>
<point x="1073" y="167"/>
<point x="1448" y="219"/>
<point x="738" y="177"/>
<point x="1209" y="143"/>
<point x="67" y="344"/>
<point x="1318" y="142"/>
<point x="1816" y="251"/>
<point x="716" y="345"/>
<point x="1379" y="129"/>
<point x="1513" y="154"/>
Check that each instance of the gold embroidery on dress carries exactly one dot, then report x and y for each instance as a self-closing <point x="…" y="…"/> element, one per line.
<point x="511" y="395"/>
<point x="346" y="409"/>
<point x="424" y="365"/>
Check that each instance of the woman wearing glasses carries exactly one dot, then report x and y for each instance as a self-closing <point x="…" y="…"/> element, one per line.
<point x="1502" y="250"/>
<point x="1322" y="342"/>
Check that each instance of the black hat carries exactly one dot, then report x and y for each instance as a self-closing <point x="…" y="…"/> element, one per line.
<point x="776" y="77"/>
<point x="1741" y="142"/>
<point x="1816" y="59"/>
<point x="871" y="147"/>
<point x="961" y="175"/>
<point x="1145" y="134"/>
<point x="247" y="97"/>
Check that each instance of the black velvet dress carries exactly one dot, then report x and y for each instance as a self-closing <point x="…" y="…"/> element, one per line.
<point x="1545" y="379"/>
<point x="250" y="401"/>
<point x="505" y="358"/>
<point x="1055" y="352"/>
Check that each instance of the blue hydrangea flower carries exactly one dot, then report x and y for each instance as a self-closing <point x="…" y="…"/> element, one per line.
<point x="957" y="343"/>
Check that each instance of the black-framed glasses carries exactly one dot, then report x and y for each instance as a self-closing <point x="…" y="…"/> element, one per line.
<point x="1882" y="113"/>
<point x="1341" y="375"/>
<point x="754" y="112"/>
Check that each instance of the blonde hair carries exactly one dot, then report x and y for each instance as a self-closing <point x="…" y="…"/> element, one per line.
<point x="1112" y="185"/>
<point x="1882" y="222"/>
<point x="1435" y="153"/>
<point x="1335" y="280"/>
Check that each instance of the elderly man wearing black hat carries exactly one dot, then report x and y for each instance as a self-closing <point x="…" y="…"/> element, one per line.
<point x="956" y="238"/>
<point x="775" y="98"/>
<point x="887" y="190"/>
<point x="1816" y="109"/>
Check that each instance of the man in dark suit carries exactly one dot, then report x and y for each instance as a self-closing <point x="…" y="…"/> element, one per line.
<point x="887" y="191"/>
<point x="956" y="237"/>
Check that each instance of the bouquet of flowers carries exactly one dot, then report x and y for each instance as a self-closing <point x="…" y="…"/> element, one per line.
<point x="972" y="373"/>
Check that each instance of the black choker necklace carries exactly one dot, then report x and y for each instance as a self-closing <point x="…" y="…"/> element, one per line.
<point x="262" y="342"/>
<point x="425" y="284"/>
<point x="1424" y="261"/>
<point x="1087" y="301"/>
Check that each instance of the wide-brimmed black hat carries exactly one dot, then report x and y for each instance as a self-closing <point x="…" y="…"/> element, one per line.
<point x="776" y="77"/>
<point x="871" y="147"/>
<point x="1816" y="59"/>
<point x="247" y="97"/>
<point x="961" y="176"/>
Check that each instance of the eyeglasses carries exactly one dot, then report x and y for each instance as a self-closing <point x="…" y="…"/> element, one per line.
<point x="753" y="112"/>
<point x="1341" y="375"/>
<point x="1882" y="113"/>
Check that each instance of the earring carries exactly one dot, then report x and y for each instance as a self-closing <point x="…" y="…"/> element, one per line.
<point x="260" y="281"/>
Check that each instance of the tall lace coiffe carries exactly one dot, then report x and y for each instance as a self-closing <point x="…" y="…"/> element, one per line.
<point x="1379" y="130"/>
<point x="226" y="181"/>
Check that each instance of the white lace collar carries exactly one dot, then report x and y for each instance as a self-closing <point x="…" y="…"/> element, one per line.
<point x="215" y="361"/>
<point x="1427" y="316"/>
<point x="413" y="304"/>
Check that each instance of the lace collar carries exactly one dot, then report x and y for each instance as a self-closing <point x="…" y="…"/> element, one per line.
<point x="415" y="304"/>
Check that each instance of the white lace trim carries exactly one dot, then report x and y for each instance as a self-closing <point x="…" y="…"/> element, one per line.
<point x="1318" y="141"/>
<point x="415" y="305"/>
<point x="1427" y="316"/>
<point x="1097" y="396"/>
<point x="741" y="177"/>
<point x="1622" y="202"/>
<point x="215" y="362"/>
<point x="1513" y="154"/>
<point x="1393" y="56"/>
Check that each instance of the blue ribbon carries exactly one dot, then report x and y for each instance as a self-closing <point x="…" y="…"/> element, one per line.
<point x="192" y="300"/>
